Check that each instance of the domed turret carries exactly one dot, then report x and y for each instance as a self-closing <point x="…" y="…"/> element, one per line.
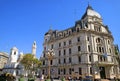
<point x="91" y="12"/>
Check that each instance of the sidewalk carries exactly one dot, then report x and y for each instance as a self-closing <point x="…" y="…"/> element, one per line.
<point x="37" y="79"/>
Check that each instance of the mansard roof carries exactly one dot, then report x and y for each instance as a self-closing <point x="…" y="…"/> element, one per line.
<point x="80" y="23"/>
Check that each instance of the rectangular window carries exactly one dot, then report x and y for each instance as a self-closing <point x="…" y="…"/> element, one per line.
<point x="59" y="62"/>
<point x="79" y="48"/>
<point x="69" y="50"/>
<point x="90" y="58"/>
<point x="69" y="60"/>
<point x="59" y="71"/>
<point x="88" y="48"/>
<point x="79" y="58"/>
<point x="59" y="44"/>
<point x="100" y="49"/>
<point x="64" y="71"/>
<point x="78" y="39"/>
<point x="70" y="71"/>
<point x="44" y="55"/>
<point x="64" y="52"/>
<point x="64" y="43"/>
<point x="90" y="70"/>
<point x="59" y="53"/>
<point x="52" y="46"/>
<point x="43" y="71"/>
<point x="51" y="62"/>
<point x="88" y="39"/>
<point x="80" y="71"/>
<point x="70" y="42"/>
<point x="43" y="62"/>
<point x="64" y="60"/>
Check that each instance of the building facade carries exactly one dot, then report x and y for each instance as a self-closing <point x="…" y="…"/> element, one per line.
<point x="86" y="49"/>
<point x="3" y="59"/>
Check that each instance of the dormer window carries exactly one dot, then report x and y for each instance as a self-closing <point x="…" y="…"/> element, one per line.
<point x="69" y="32"/>
<point x="65" y="33"/>
<point x="77" y="29"/>
<point x="60" y="34"/>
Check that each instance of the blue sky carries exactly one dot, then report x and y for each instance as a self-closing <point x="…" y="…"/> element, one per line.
<point x="23" y="21"/>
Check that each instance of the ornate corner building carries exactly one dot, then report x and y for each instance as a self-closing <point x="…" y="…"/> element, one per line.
<point x="86" y="49"/>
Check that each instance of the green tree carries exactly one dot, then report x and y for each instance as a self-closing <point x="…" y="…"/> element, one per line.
<point x="30" y="63"/>
<point x="36" y="64"/>
<point x="27" y="61"/>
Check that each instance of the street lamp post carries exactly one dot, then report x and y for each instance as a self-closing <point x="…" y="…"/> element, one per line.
<point x="50" y="54"/>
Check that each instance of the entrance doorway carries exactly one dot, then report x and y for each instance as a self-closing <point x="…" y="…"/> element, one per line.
<point x="102" y="72"/>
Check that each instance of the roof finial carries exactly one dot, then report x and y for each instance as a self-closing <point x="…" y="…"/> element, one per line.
<point x="88" y="3"/>
<point x="89" y="7"/>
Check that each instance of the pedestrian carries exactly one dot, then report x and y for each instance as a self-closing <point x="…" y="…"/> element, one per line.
<point x="69" y="78"/>
<point x="41" y="77"/>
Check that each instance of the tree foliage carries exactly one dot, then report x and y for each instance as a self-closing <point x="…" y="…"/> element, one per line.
<point x="29" y="62"/>
<point x="36" y="64"/>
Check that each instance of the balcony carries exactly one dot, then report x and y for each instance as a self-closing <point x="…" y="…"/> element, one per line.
<point x="105" y="63"/>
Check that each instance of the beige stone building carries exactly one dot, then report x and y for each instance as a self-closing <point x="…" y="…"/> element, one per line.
<point x="3" y="59"/>
<point x="86" y="49"/>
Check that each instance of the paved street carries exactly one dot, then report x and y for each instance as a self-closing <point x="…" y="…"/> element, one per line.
<point x="37" y="79"/>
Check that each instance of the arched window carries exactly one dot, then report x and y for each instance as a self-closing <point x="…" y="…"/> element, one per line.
<point x="98" y="40"/>
<point x="15" y="53"/>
